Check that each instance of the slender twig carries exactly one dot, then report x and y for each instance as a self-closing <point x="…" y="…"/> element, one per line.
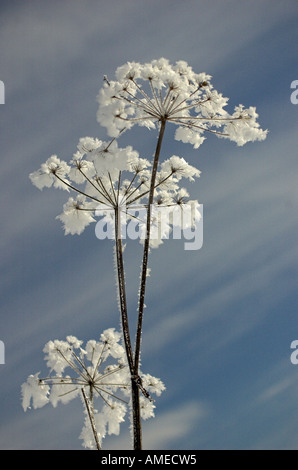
<point x="184" y="100"/>
<point x="94" y="186"/>
<point x="159" y="104"/>
<point x="142" y="106"/>
<point x="146" y="247"/>
<point x="124" y="197"/>
<point x="121" y="287"/>
<point x="99" y="390"/>
<point x="100" y="183"/>
<point x="148" y="191"/>
<point x="99" y="360"/>
<point x="76" y="189"/>
<point x="149" y="101"/>
<point x="90" y="412"/>
<point x="135" y="383"/>
<point x="126" y="334"/>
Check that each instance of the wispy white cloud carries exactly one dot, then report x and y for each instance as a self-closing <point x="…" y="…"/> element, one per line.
<point x="247" y="224"/>
<point x="175" y="425"/>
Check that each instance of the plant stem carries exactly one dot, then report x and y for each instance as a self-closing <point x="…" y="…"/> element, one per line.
<point x="146" y="248"/>
<point x="122" y="292"/>
<point x="126" y="335"/>
<point x="134" y="362"/>
<point x="135" y="388"/>
<point x="89" y="407"/>
<point x="136" y="416"/>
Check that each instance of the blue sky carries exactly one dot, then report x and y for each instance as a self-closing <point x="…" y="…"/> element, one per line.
<point x="219" y="321"/>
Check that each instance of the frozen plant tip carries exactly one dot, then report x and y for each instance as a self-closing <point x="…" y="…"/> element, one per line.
<point x="155" y="92"/>
<point x="97" y="372"/>
<point x="106" y="179"/>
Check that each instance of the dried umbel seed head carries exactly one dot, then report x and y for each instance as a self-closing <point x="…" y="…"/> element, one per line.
<point x="151" y="93"/>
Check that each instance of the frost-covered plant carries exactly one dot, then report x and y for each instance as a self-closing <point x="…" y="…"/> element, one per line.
<point x="112" y="182"/>
<point x="98" y="371"/>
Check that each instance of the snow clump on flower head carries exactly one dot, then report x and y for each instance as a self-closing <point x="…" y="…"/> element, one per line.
<point x="98" y="371"/>
<point x="147" y="94"/>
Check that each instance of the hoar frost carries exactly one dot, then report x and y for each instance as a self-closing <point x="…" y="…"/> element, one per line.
<point x="115" y="178"/>
<point x="113" y="183"/>
<point x="100" y="370"/>
<point x="146" y="95"/>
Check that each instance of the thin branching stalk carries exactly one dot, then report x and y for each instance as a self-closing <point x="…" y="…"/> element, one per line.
<point x="136" y="415"/>
<point x="89" y="407"/>
<point x="146" y="247"/>
<point x="135" y="387"/>
<point x="122" y="291"/>
<point x="136" y="412"/>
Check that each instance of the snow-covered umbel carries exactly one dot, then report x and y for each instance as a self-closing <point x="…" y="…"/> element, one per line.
<point x="146" y="94"/>
<point x="114" y="177"/>
<point x="97" y="372"/>
<point x="106" y="178"/>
